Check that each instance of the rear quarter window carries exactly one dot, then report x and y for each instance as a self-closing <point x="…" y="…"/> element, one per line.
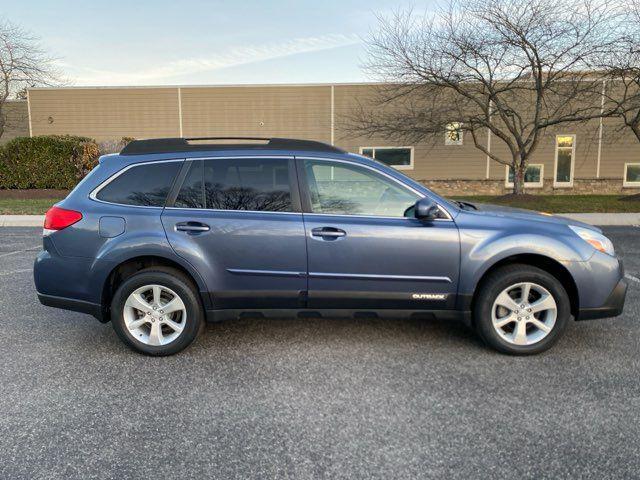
<point x="142" y="185"/>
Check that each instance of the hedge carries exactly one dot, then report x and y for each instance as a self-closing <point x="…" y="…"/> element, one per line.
<point x="52" y="161"/>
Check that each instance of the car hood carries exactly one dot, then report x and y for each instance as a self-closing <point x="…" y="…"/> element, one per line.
<point x="523" y="214"/>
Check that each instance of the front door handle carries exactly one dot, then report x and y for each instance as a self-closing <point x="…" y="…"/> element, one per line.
<point x="328" y="232"/>
<point x="192" y="227"/>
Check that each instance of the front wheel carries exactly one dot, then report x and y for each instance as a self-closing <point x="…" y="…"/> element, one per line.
<point x="157" y="311"/>
<point x="521" y="310"/>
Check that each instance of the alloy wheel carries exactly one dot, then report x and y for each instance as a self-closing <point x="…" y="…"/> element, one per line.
<point x="524" y="313"/>
<point x="155" y="315"/>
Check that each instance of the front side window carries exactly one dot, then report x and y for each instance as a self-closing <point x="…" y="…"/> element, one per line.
<point x="565" y="151"/>
<point x="256" y="184"/>
<point x="397" y="157"/>
<point x="631" y="175"/>
<point x="342" y="189"/>
<point x="142" y="185"/>
<point x="532" y="176"/>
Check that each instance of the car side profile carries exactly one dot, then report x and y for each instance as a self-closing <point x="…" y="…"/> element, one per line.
<point x="171" y="233"/>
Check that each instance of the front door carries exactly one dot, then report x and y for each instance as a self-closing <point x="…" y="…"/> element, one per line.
<point x="238" y="221"/>
<point x="363" y="252"/>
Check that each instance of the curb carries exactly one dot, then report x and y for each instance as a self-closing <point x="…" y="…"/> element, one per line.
<point x="21" y="220"/>
<point x="603" y="219"/>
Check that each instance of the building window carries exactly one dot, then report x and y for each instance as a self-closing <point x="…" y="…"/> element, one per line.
<point x="533" y="176"/>
<point x="565" y="158"/>
<point x="396" y="157"/>
<point x="631" y="175"/>
<point x="453" y="134"/>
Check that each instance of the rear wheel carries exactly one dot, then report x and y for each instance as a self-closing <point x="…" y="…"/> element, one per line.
<point x="521" y="310"/>
<point x="157" y="311"/>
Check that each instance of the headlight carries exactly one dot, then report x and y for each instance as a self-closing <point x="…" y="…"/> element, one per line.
<point x="595" y="239"/>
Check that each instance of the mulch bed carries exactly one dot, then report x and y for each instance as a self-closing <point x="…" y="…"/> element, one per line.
<point x="513" y="196"/>
<point x="32" y="193"/>
<point x="632" y="198"/>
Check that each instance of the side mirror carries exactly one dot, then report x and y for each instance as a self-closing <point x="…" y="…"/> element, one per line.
<point x="426" y="209"/>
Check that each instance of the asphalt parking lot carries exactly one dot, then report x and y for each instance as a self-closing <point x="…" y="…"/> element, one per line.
<point x="312" y="398"/>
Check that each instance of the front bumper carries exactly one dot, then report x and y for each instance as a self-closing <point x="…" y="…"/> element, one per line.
<point x="612" y="307"/>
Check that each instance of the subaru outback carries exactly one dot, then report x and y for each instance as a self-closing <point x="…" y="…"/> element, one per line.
<point x="171" y="233"/>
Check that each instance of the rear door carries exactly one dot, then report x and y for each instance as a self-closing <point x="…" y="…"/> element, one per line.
<point x="363" y="252"/>
<point x="238" y="221"/>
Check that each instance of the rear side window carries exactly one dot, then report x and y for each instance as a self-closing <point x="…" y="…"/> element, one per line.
<point x="143" y="185"/>
<point x="191" y="194"/>
<point x="256" y="184"/>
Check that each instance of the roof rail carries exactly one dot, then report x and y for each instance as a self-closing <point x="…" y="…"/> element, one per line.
<point x="175" y="145"/>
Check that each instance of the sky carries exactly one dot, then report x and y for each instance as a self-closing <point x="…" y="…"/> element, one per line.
<point x="199" y="42"/>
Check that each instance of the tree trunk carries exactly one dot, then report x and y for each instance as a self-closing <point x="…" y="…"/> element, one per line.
<point x="2" y="121"/>
<point x="635" y="128"/>
<point x="518" y="178"/>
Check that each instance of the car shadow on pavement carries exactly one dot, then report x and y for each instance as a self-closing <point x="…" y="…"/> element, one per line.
<point x="340" y="332"/>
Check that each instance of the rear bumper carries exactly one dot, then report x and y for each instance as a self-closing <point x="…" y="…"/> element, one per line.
<point x="64" y="282"/>
<point x="612" y="307"/>
<point x="71" y="304"/>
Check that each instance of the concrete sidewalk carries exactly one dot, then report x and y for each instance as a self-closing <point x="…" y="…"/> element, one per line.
<point x="605" y="219"/>
<point x="21" y="220"/>
<point x="592" y="218"/>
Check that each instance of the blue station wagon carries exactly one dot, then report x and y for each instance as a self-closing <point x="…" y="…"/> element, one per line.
<point x="174" y="232"/>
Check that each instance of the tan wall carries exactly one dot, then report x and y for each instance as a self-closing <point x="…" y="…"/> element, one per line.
<point x="16" y="120"/>
<point x="298" y="112"/>
<point x="105" y="113"/>
<point x="301" y="112"/>
<point x="432" y="160"/>
<point x="618" y="147"/>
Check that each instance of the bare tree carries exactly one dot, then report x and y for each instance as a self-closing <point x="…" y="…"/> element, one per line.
<point x="507" y="67"/>
<point x="622" y="91"/>
<point x="23" y="64"/>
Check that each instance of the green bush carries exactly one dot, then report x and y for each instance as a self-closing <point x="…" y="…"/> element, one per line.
<point x="54" y="161"/>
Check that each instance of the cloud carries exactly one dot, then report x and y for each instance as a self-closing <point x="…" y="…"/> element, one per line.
<point x="234" y="56"/>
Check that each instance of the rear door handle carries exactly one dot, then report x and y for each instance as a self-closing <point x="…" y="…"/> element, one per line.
<point x="328" y="232"/>
<point x="192" y="227"/>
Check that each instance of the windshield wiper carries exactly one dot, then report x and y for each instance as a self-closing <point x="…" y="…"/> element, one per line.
<point x="466" y="205"/>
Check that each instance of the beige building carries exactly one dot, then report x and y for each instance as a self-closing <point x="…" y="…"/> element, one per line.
<point x="583" y="158"/>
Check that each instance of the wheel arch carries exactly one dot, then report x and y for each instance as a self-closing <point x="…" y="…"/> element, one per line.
<point x="128" y="267"/>
<point x="548" y="264"/>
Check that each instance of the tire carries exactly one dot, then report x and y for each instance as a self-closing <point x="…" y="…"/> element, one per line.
<point x="143" y="325"/>
<point x="503" y="324"/>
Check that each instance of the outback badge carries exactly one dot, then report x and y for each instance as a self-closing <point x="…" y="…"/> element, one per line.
<point x="429" y="296"/>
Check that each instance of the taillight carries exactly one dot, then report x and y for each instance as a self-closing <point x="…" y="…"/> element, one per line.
<point x="58" y="218"/>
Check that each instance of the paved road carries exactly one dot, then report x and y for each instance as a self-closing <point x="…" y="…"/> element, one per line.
<point x="311" y="398"/>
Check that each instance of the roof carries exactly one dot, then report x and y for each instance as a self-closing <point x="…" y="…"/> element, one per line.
<point x="179" y="144"/>
<point x="216" y="85"/>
